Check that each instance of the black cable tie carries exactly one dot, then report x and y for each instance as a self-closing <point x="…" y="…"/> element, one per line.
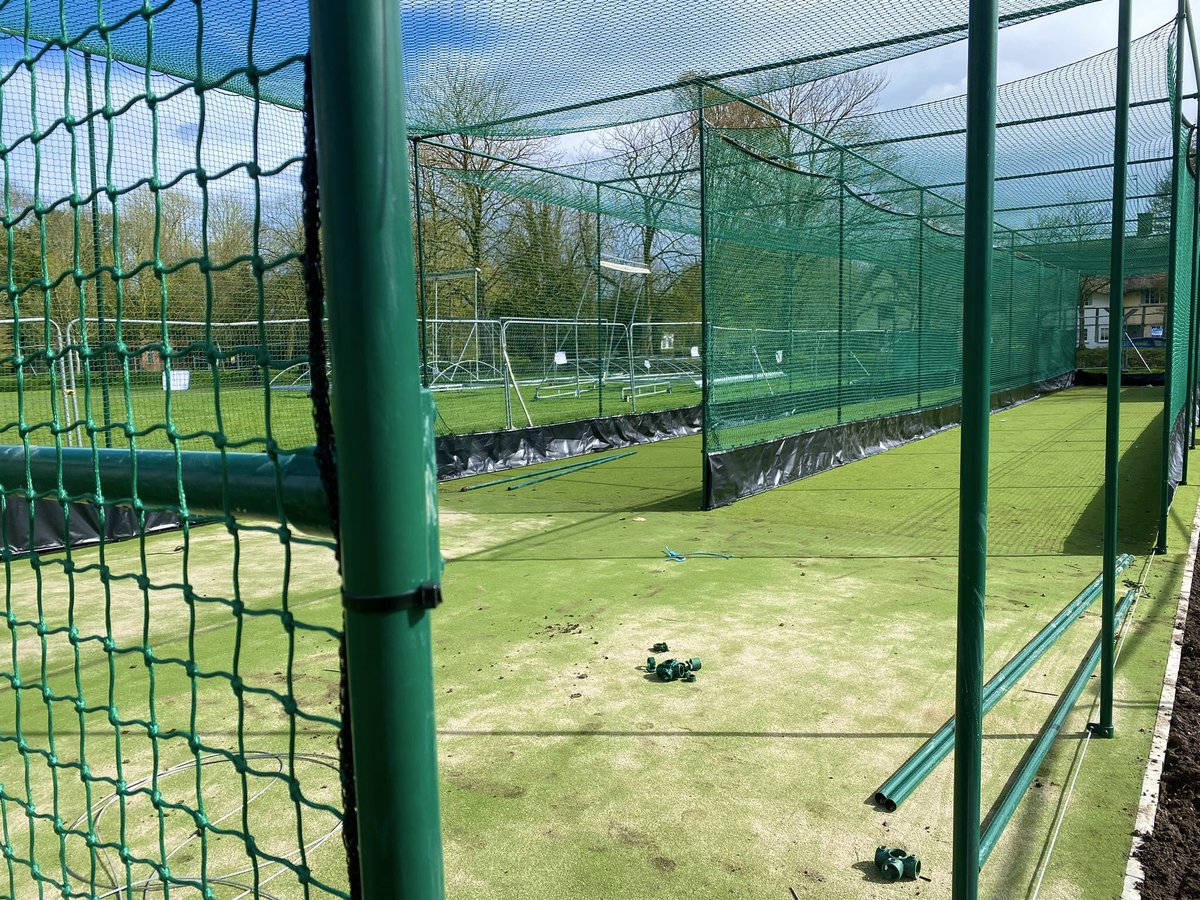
<point x="427" y="596"/>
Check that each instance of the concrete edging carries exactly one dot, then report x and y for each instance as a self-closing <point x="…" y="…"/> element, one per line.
<point x="1148" y="804"/>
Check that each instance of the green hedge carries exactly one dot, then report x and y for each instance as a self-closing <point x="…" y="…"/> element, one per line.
<point x="1097" y="358"/>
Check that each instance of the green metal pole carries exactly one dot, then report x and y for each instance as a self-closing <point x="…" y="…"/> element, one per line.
<point x="1190" y="390"/>
<point x="973" y="472"/>
<point x="841" y="337"/>
<point x="386" y="484"/>
<point x="705" y="324"/>
<point x="1195" y="317"/>
<point x="1172" y="269"/>
<point x="602" y="363"/>
<point x="920" y="284"/>
<point x="423" y="322"/>
<point x="1194" y="345"/>
<point x="96" y="257"/>
<point x="1116" y="316"/>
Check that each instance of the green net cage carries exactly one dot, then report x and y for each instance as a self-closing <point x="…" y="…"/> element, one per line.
<point x="175" y="699"/>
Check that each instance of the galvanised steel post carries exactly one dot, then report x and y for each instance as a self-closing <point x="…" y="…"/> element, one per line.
<point x="1172" y="274"/>
<point x="383" y="421"/>
<point x="973" y="474"/>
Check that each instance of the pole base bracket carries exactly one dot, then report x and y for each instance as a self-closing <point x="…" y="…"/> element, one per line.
<point x="1100" y="731"/>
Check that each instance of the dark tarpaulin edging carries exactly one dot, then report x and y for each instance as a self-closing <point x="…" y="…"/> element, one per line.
<point x="1178" y="447"/>
<point x="1084" y="378"/>
<point x="459" y="455"/>
<point x="52" y="531"/>
<point x="746" y="471"/>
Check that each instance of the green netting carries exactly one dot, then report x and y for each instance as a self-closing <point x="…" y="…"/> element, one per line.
<point x="826" y="305"/>
<point x="549" y="298"/>
<point x="560" y="55"/>
<point x="170" y="714"/>
<point x="1179" y="316"/>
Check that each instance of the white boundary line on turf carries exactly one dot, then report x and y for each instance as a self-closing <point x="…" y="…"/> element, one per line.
<point x="1148" y="805"/>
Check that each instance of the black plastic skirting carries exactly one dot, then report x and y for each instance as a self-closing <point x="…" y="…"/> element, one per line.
<point x="746" y="471"/>
<point x="54" y="530"/>
<point x="474" y="454"/>
<point x="1083" y="378"/>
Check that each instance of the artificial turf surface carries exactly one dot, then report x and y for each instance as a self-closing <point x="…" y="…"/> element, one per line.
<point x="828" y="650"/>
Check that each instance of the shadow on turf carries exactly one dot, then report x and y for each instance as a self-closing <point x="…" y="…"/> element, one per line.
<point x="1141" y="466"/>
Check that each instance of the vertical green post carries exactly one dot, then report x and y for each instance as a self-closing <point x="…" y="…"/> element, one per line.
<point x="600" y="342"/>
<point x="1194" y="330"/>
<point x="423" y="322"/>
<point x="1172" y="275"/>
<point x="705" y="324"/>
<point x="1012" y="276"/>
<point x="96" y="257"/>
<point x="1190" y="389"/>
<point x="973" y="474"/>
<point x="920" y="283"/>
<point x="841" y="337"/>
<point x="386" y="482"/>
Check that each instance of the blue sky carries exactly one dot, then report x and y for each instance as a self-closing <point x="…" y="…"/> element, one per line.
<point x="1025" y="49"/>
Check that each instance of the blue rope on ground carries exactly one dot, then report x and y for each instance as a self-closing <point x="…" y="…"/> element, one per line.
<point x="679" y="557"/>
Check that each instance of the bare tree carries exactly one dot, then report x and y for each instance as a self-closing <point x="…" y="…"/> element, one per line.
<point x="653" y="162"/>
<point x="461" y="203"/>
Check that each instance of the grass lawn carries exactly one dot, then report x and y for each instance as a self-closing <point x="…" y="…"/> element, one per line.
<point x="828" y="650"/>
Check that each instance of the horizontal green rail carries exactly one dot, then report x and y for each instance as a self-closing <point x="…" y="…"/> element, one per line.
<point x="929" y="755"/>
<point x="192" y="482"/>
<point x="1010" y="798"/>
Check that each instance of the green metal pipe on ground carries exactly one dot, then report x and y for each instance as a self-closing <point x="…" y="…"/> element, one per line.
<point x="900" y="786"/>
<point x="1018" y="784"/>
<point x="564" y="469"/>
<point x="537" y="478"/>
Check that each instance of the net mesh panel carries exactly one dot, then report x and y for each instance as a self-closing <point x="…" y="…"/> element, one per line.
<point x="1179" y="317"/>
<point x="170" y="715"/>
<point x="549" y="297"/>
<point x="551" y="55"/>
<point x="829" y="305"/>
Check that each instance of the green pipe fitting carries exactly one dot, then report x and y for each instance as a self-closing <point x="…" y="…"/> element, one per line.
<point x="895" y="864"/>
<point x="650" y="663"/>
<point x="678" y="669"/>
<point x="669" y="669"/>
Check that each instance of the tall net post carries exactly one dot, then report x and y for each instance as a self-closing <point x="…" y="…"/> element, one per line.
<point x="1116" y="343"/>
<point x="973" y="478"/>
<point x="1178" y="155"/>
<point x="391" y="566"/>
<point x="423" y="321"/>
